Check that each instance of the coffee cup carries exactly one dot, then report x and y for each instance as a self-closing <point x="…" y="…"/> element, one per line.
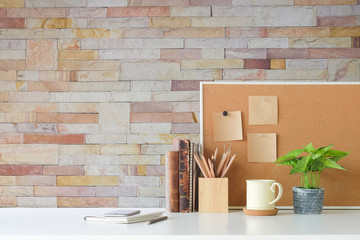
<point x="260" y="194"/>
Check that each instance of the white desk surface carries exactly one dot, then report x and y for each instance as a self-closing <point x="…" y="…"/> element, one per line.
<point x="61" y="223"/>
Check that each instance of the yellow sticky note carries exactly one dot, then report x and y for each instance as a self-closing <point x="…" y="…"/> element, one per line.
<point x="263" y="110"/>
<point x="227" y="128"/>
<point x="261" y="147"/>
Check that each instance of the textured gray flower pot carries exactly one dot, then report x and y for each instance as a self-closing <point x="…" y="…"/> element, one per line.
<point x="308" y="201"/>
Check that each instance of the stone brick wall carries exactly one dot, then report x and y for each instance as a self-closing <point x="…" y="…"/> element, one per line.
<point x="92" y="92"/>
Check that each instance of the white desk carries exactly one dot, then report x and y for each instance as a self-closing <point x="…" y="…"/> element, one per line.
<point x="65" y="223"/>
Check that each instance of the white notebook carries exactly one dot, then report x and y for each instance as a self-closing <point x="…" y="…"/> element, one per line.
<point x="130" y="219"/>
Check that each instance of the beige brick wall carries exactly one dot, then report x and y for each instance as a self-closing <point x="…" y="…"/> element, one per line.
<point x="92" y="92"/>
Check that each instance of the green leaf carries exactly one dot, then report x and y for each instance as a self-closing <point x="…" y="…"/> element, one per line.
<point x="335" y="153"/>
<point x="336" y="159"/>
<point x="321" y="151"/>
<point x="324" y="163"/>
<point x="301" y="166"/>
<point x="318" y="165"/>
<point x="309" y="148"/>
<point x="290" y="155"/>
<point x="290" y="162"/>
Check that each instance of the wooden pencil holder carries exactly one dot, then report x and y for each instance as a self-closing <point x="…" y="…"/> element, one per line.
<point x="213" y="195"/>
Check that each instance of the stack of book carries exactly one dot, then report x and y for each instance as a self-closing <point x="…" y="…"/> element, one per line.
<point x="181" y="175"/>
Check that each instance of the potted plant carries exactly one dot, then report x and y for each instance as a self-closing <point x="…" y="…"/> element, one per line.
<point x="310" y="162"/>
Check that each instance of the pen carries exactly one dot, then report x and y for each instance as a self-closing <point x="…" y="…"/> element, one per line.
<point x="155" y="220"/>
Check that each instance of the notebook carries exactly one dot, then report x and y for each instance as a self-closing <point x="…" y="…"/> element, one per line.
<point x="130" y="219"/>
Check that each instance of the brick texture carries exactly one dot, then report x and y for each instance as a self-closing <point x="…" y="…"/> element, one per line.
<point x="87" y="202"/>
<point x="54" y="139"/>
<point x="92" y="92"/>
<point x="256" y="64"/>
<point x="8" y="23"/>
<point x="337" y="21"/>
<point x="138" y="12"/>
<point x="13" y="170"/>
<point x="355" y="42"/>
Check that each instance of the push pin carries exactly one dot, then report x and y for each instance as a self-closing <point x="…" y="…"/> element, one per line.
<point x="225" y="113"/>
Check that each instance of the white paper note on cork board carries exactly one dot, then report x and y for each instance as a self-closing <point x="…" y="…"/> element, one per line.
<point x="263" y="110"/>
<point x="261" y="147"/>
<point x="229" y="127"/>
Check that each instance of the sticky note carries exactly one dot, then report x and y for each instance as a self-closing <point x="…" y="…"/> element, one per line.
<point x="263" y="110"/>
<point x="227" y="128"/>
<point x="261" y="147"/>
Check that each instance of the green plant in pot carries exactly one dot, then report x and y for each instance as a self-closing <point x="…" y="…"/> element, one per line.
<point x="310" y="162"/>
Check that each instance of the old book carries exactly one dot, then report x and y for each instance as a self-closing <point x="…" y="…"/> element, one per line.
<point x="172" y="176"/>
<point x="191" y="174"/>
<point x="184" y="174"/>
<point x="196" y="175"/>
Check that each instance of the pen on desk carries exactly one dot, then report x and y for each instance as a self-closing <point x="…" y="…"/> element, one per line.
<point x="155" y="220"/>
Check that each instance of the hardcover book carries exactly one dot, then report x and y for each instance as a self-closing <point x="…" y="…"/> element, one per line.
<point x="184" y="176"/>
<point x="172" y="165"/>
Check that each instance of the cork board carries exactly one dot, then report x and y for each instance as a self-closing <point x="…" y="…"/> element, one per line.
<point x="323" y="114"/>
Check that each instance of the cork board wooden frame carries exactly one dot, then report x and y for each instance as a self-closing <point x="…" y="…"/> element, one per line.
<point x="321" y="113"/>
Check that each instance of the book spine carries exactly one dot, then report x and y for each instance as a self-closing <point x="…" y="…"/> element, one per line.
<point x="173" y="180"/>
<point x="191" y="162"/>
<point x="196" y="175"/>
<point x="184" y="193"/>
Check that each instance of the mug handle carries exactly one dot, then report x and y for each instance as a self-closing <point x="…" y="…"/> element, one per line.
<point x="272" y="188"/>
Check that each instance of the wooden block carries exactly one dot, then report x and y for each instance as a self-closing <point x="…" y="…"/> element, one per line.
<point x="213" y="195"/>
